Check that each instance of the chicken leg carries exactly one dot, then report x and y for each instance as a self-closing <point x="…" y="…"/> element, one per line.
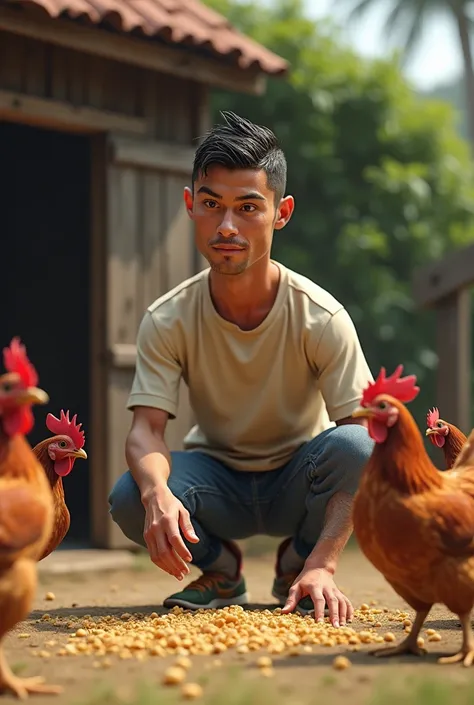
<point x="17" y="588"/>
<point x="22" y="687"/>
<point x="466" y="655"/>
<point x="408" y="645"/>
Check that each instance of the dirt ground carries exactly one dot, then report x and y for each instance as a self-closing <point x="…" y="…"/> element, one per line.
<point x="296" y="680"/>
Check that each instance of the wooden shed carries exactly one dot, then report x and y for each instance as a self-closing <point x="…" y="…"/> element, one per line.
<point x="446" y="286"/>
<point x="101" y="103"/>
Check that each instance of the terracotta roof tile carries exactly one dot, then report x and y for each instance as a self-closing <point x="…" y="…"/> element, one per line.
<point x="178" y="21"/>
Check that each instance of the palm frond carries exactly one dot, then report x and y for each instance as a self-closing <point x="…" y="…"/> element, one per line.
<point x="407" y="17"/>
<point x="359" y="8"/>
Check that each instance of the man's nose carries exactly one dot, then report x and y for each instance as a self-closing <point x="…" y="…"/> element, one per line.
<point x="227" y="227"/>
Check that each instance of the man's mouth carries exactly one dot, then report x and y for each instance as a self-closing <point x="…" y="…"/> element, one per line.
<point x="229" y="248"/>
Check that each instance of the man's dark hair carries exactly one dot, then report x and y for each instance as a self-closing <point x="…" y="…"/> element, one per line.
<point x="240" y="144"/>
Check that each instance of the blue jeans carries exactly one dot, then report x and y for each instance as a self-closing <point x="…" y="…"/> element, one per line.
<point x="225" y="504"/>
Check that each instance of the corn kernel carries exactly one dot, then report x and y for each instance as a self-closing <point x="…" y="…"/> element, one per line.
<point x="183" y="662"/>
<point x="340" y="663"/>
<point x="434" y="637"/>
<point x="173" y="676"/>
<point x="191" y="691"/>
<point x="267" y="672"/>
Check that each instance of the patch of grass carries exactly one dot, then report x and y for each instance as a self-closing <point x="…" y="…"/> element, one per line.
<point x="424" y="691"/>
<point x="19" y="667"/>
<point x="229" y="688"/>
<point x="231" y="691"/>
<point x="328" y="680"/>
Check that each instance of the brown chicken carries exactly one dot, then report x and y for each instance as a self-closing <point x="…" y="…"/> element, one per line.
<point x="414" y="523"/>
<point x="57" y="455"/>
<point x="444" y="435"/>
<point x="26" y="507"/>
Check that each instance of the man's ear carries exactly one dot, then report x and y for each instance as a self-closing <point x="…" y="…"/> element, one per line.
<point x="284" y="212"/>
<point x="188" y="200"/>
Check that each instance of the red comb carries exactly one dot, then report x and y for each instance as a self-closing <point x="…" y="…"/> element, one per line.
<point x="432" y="417"/>
<point x="401" y="388"/>
<point x="16" y="360"/>
<point x="66" y="427"/>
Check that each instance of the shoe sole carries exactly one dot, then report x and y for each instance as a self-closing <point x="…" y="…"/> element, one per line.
<point x="212" y="605"/>
<point x="282" y="601"/>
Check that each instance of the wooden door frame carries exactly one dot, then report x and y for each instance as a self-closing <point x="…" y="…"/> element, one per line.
<point x="98" y="488"/>
<point x="54" y="116"/>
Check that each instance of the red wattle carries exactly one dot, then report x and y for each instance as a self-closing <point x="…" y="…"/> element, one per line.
<point x="378" y="431"/>
<point x="19" y="421"/>
<point x="63" y="467"/>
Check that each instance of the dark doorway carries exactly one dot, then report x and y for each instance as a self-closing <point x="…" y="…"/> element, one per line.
<point x="44" y="285"/>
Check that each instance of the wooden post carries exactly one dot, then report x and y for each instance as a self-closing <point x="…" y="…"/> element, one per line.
<point x="453" y="329"/>
<point x="445" y="286"/>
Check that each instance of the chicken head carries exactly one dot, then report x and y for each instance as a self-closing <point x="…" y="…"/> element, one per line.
<point x="18" y="391"/>
<point x="437" y="429"/>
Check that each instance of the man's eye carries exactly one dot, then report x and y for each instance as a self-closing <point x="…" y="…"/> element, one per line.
<point x="210" y="204"/>
<point x="248" y="208"/>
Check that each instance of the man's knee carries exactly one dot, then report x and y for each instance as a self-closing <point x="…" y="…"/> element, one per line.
<point x="347" y="449"/>
<point x="126" y="508"/>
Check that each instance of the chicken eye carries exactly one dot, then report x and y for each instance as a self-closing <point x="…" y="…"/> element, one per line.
<point x="62" y="444"/>
<point x="382" y="405"/>
<point x="7" y="387"/>
<point x="440" y="424"/>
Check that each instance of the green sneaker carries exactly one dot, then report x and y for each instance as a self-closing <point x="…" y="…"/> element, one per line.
<point x="210" y="591"/>
<point x="283" y="582"/>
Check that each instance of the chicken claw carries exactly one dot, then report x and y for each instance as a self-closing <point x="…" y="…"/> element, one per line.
<point x="22" y="687"/>
<point x="408" y="646"/>
<point x="467" y="658"/>
<point x="466" y="654"/>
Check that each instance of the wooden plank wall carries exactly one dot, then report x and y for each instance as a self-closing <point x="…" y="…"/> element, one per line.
<point x="150" y="252"/>
<point x="139" y="212"/>
<point x="43" y="70"/>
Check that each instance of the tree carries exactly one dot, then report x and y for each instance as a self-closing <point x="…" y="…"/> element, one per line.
<point x="411" y="15"/>
<point x="381" y="181"/>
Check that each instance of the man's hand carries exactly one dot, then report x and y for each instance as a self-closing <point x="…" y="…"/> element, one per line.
<point x="165" y="520"/>
<point x="319" y="584"/>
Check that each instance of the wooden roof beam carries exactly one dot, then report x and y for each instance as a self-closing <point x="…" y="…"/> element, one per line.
<point x="129" y="50"/>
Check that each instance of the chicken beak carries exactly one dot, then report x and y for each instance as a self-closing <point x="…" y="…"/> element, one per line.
<point x="430" y="431"/>
<point x="32" y="395"/>
<point x="361" y="413"/>
<point x="79" y="453"/>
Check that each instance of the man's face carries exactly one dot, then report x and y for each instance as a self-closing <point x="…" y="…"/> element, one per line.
<point x="234" y="214"/>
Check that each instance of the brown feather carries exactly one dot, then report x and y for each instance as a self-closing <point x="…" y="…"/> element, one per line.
<point x="22" y="478"/>
<point x="62" y="518"/>
<point x="415" y="524"/>
<point x="453" y="444"/>
<point x="22" y="517"/>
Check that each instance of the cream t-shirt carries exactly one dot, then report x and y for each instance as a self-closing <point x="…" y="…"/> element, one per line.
<point x="257" y="395"/>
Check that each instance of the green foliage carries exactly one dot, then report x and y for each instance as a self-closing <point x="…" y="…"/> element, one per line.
<point x="381" y="181"/>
